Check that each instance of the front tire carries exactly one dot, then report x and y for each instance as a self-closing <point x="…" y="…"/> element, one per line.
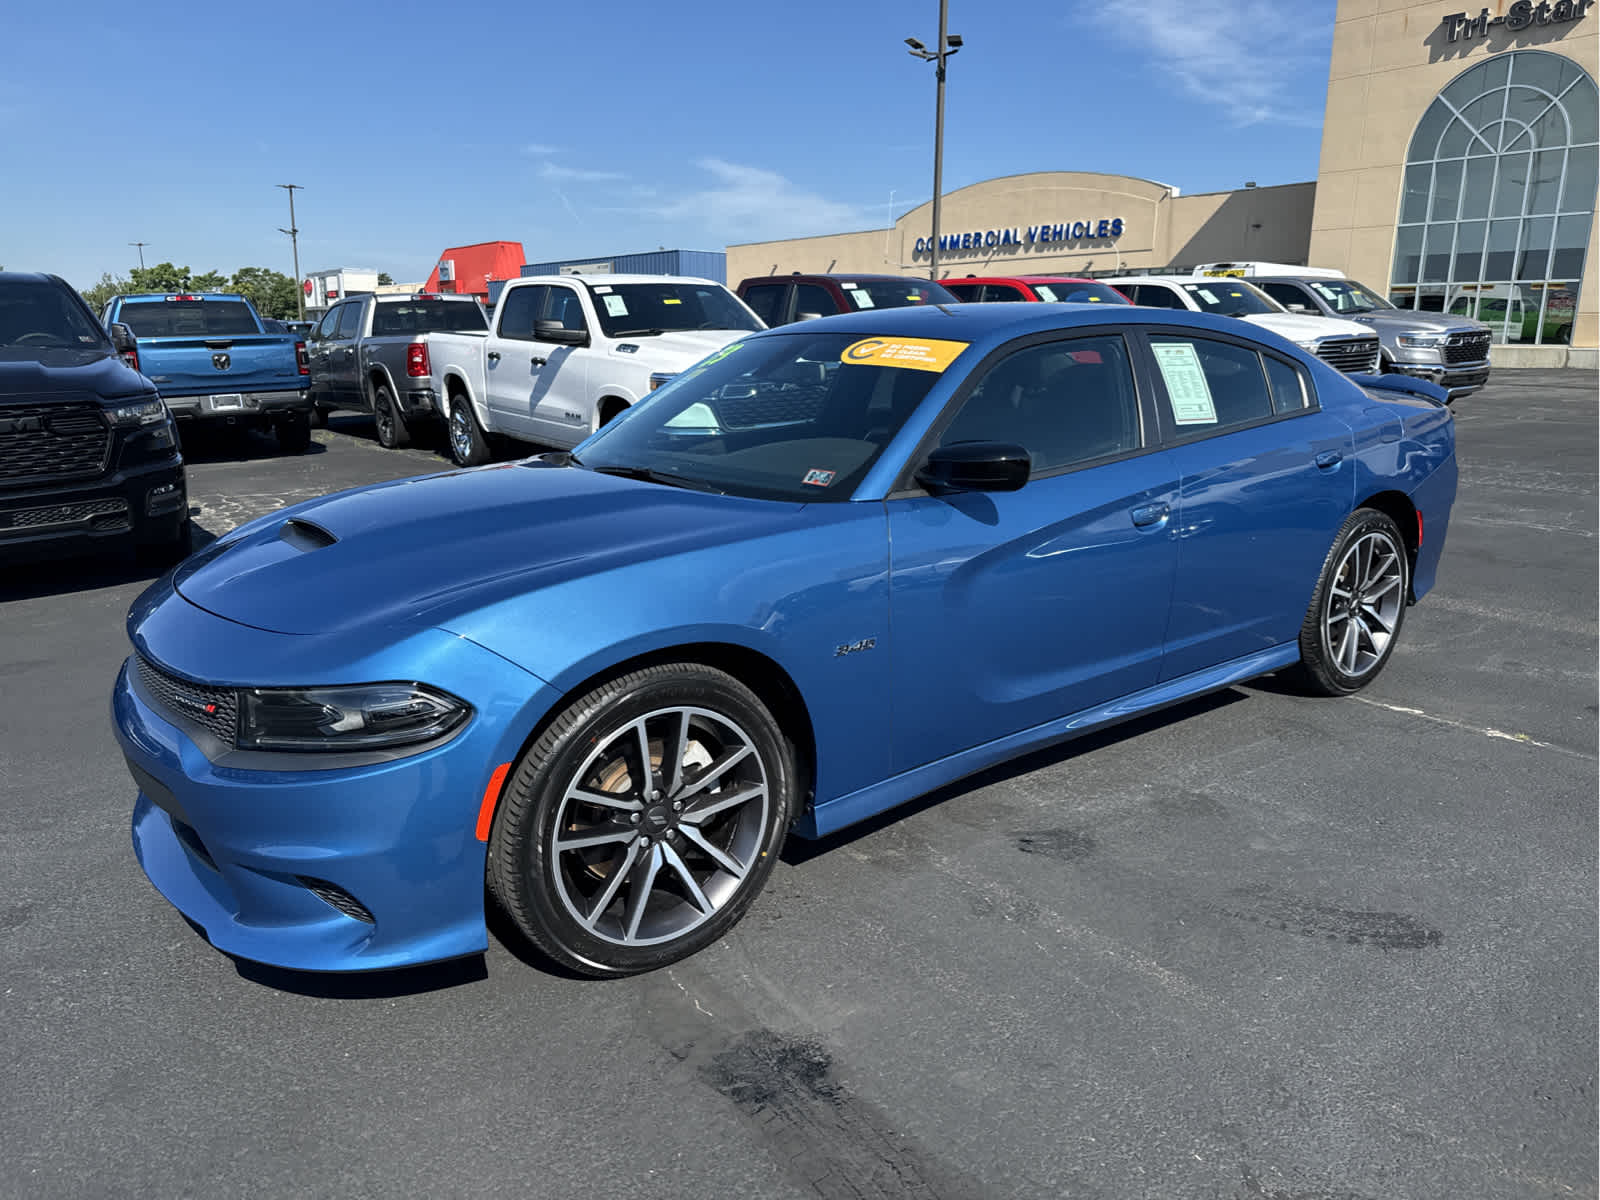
<point x="642" y="823"/>
<point x="390" y="425"/>
<point x="468" y="446"/>
<point x="1358" y="608"/>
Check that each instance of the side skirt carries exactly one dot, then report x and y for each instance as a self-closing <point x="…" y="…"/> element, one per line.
<point x="870" y="801"/>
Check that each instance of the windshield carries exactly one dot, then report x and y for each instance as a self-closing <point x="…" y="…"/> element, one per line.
<point x="40" y="313"/>
<point x="188" y="318"/>
<point x="1230" y="298"/>
<point x="1078" y="293"/>
<point x="428" y="316"/>
<point x="644" y="309"/>
<point x="862" y="294"/>
<point x="793" y="416"/>
<point x="1348" y="296"/>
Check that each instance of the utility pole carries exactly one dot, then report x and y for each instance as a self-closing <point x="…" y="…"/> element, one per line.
<point x="294" y="242"/>
<point x="141" y="246"/>
<point x="947" y="45"/>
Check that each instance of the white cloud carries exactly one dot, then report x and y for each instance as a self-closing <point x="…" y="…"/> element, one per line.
<point x="751" y="203"/>
<point x="1246" y="57"/>
<point x="539" y="149"/>
<point x="555" y="171"/>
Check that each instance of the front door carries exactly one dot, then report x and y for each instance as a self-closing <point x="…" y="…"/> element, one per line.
<point x="513" y="362"/>
<point x="561" y="404"/>
<point x="1013" y="609"/>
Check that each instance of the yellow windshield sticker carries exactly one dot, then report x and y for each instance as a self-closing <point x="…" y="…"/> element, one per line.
<point x="920" y="354"/>
<point x="670" y="300"/>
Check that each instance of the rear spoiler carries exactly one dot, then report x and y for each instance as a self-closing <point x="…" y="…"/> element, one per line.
<point x="1420" y="388"/>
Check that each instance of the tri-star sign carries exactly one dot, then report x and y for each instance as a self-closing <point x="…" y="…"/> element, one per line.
<point x="1519" y="16"/>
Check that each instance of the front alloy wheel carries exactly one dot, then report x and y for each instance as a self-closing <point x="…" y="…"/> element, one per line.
<point x="639" y="828"/>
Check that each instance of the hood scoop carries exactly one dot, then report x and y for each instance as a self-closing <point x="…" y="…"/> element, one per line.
<point x="305" y="535"/>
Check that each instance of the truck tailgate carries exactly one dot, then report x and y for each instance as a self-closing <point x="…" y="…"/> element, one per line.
<point x="247" y="363"/>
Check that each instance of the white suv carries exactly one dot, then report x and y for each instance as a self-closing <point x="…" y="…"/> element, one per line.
<point x="1344" y="345"/>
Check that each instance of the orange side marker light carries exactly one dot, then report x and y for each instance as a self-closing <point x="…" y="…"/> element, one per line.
<point x="491" y="796"/>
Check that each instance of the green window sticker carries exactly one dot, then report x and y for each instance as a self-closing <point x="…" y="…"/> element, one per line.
<point x="1187" y="389"/>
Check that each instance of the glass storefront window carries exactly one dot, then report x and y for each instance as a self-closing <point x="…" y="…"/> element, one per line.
<point x="1512" y="139"/>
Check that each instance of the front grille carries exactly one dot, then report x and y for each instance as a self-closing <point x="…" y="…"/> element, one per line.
<point x="215" y="709"/>
<point x="95" y="512"/>
<point x="52" y="441"/>
<point x="332" y="893"/>
<point x="1352" y="355"/>
<point x="1467" y="347"/>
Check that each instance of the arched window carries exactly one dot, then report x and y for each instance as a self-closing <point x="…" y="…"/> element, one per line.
<point x="1499" y="196"/>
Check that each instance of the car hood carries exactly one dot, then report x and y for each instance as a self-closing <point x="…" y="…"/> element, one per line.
<point x="1401" y="320"/>
<point x="31" y="373"/>
<point x="1300" y="329"/>
<point x="412" y="553"/>
<point x="679" y="348"/>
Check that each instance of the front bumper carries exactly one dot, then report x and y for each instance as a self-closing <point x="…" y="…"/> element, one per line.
<point x="231" y="406"/>
<point x="146" y="504"/>
<point x="1457" y="381"/>
<point x="345" y="869"/>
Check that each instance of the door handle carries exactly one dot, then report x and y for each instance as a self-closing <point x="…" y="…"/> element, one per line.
<point x="537" y="361"/>
<point x="1149" y="514"/>
<point x="1329" y="459"/>
<point x="494" y="356"/>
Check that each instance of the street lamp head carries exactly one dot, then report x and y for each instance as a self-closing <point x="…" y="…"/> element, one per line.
<point x="953" y="41"/>
<point x="916" y="46"/>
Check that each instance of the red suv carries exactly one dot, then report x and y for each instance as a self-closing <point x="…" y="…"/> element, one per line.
<point x="780" y="299"/>
<point x="1049" y="288"/>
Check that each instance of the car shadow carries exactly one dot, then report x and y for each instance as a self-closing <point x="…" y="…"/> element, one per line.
<point x="798" y="851"/>
<point x="367" y="985"/>
<point x="115" y="566"/>
<point x="234" y="443"/>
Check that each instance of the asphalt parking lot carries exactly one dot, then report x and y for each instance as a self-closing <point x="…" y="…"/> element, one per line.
<point x="1260" y="946"/>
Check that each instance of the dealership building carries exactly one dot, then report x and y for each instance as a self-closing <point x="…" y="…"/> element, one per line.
<point x="1458" y="173"/>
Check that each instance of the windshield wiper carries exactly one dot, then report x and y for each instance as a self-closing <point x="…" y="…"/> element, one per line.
<point x="638" y="333"/>
<point x="651" y="475"/>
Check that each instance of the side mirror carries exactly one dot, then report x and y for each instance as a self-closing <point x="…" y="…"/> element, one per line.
<point x="122" y="339"/>
<point x="976" y="467"/>
<point x="553" y="331"/>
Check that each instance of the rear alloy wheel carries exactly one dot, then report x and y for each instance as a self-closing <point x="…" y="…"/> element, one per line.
<point x="468" y="446"/>
<point x="391" y="426"/>
<point x="294" y="432"/>
<point x="638" y="829"/>
<point x="1359" y="605"/>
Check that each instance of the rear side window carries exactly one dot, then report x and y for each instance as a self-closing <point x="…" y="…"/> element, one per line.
<point x="1289" y="388"/>
<point x="766" y="300"/>
<point x="1000" y="292"/>
<point x="1213" y="386"/>
<point x="965" y="291"/>
<point x="188" y="318"/>
<point x="1153" y="295"/>
<point x="1079" y="293"/>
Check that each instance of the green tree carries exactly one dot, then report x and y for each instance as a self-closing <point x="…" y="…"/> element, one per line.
<point x="163" y="277"/>
<point x="211" y="281"/>
<point x="110" y="285"/>
<point x="385" y="279"/>
<point x="272" y="292"/>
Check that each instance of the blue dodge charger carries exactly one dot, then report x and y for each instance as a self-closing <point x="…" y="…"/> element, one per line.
<point x="829" y="568"/>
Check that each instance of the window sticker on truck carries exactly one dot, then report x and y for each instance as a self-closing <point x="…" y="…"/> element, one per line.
<point x="919" y="354"/>
<point x="616" y="306"/>
<point x="670" y="300"/>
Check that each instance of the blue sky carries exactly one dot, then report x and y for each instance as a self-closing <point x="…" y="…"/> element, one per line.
<point x="594" y="129"/>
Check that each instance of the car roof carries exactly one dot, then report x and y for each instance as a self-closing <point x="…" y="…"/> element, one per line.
<point x="600" y="280"/>
<point x="985" y="325"/>
<point x="1019" y="279"/>
<point x="837" y="275"/>
<point x="28" y="277"/>
<point x="190" y="295"/>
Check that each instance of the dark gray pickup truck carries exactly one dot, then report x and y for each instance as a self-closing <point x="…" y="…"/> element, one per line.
<point x="368" y="354"/>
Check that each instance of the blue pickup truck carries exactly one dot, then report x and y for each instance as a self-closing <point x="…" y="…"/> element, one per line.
<point x="215" y="361"/>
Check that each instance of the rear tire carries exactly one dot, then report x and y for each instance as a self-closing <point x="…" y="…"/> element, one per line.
<point x="294" y="432"/>
<point x="391" y="426"/>
<point x="1358" y="607"/>
<point x="468" y="446"/>
<point x="611" y="864"/>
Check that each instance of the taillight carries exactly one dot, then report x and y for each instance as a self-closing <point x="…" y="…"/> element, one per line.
<point x="417" y="360"/>
<point x="300" y="359"/>
<point x="131" y="357"/>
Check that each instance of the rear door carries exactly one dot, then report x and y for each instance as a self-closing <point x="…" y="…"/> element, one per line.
<point x="198" y="345"/>
<point x="1267" y="479"/>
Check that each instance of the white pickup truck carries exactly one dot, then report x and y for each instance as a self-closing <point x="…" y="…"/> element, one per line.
<point x="566" y="353"/>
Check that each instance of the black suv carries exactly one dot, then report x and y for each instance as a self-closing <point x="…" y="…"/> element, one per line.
<point x="780" y="299"/>
<point x="88" y="451"/>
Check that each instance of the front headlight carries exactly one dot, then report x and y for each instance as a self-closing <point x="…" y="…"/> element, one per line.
<point x="145" y="412"/>
<point x="1419" y="341"/>
<point x="363" y="717"/>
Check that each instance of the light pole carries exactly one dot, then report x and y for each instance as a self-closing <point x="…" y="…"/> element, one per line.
<point x="294" y="242"/>
<point x="141" y="246"/>
<point x="948" y="45"/>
